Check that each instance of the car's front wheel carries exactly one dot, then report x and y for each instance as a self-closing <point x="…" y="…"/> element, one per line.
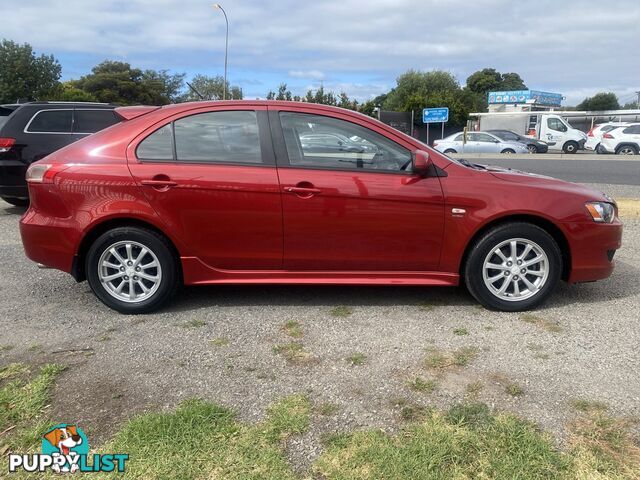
<point x="132" y="269"/>
<point x="513" y="267"/>
<point x="571" y="147"/>
<point x="450" y="150"/>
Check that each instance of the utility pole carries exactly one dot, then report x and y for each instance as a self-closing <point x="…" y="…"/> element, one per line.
<point x="638" y="102"/>
<point x="226" y="48"/>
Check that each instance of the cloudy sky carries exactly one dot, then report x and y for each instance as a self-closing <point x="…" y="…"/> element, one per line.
<point x="575" y="47"/>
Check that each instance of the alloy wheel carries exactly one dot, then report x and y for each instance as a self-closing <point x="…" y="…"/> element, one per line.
<point x="516" y="269"/>
<point x="129" y="271"/>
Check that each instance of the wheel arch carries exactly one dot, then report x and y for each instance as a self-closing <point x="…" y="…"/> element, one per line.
<point x="627" y="144"/>
<point x="547" y="225"/>
<point x="78" y="267"/>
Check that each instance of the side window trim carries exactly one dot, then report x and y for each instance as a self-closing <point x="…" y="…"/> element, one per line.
<point x="26" y="127"/>
<point x="282" y="155"/>
<point x="264" y="138"/>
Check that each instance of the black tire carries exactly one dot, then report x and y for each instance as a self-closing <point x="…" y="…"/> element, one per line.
<point x="155" y="243"/>
<point x="627" y="150"/>
<point x="570" y="147"/>
<point x="487" y="243"/>
<point x="508" y="150"/>
<point x="600" y="149"/>
<point x="17" y="202"/>
<point x="532" y="148"/>
<point x="450" y="150"/>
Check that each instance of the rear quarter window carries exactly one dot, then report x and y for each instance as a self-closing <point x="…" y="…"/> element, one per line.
<point x="50" y="121"/>
<point x="91" y="121"/>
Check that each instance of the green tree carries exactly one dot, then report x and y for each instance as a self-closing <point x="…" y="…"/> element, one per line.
<point x="118" y="82"/>
<point x="283" y="93"/>
<point x="69" y="92"/>
<point x="23" y="75"/>
<point x="600" y="101"/>
<point x="211" y="88"/>
<point x="416" y="90"/>
<point x="489" y="79"/>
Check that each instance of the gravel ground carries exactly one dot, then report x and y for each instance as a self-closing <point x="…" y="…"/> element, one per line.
<point x="581" y="344"/>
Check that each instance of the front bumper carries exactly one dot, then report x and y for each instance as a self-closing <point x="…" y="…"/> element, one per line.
<point x="593" y="246"/>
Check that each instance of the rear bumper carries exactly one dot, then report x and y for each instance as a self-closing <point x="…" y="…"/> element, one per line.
<point x="592" y="248"/>
<point x="12" y="181"/>
<point x="49" y="243"/>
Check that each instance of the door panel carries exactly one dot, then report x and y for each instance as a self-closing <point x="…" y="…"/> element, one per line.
<point x="230" y="214"/>
<point x="344" y="217"/>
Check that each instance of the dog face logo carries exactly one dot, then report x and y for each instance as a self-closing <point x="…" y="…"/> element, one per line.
<point x="68" y="441"/>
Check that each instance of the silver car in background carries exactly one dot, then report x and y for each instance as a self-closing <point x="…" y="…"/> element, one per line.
<point x="478" y="142"/>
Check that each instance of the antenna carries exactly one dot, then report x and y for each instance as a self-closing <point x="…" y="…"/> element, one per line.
<point x="195" y="90"/>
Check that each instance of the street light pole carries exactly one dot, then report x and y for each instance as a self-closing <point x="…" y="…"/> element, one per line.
<point x="226" y="49"/>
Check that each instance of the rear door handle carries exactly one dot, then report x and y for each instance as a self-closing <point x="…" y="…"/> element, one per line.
<point x="159" y="183"/>
<point x="303" y="190"/>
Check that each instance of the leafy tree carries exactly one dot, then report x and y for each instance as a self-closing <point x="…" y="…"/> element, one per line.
<point x="416" y="90"/>
<point x="23" y="75"/>
<point x="165" y="85"/>
<point x="211" y="88"/>
<point x="69" y="92"/>
<point x="283" y="93"/>
<point x="118" y="82"/>
<point x="488" y="79"/>
<point x="600" y="101"/>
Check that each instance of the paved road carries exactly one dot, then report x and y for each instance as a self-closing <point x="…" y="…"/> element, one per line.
<point x="617" y="172"/>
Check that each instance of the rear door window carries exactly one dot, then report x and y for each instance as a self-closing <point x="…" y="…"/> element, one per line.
<point x="91" y="121"/>
<point x="51" y="121"/>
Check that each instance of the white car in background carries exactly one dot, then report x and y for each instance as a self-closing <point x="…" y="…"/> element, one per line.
<point x="622" y="140"/>
<point x="594" y="137"/>
<point x="478" y="142"/>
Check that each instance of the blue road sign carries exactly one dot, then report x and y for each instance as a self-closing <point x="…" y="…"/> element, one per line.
<point x="435" y="115"/>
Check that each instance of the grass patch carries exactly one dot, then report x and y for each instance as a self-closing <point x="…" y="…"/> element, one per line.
<point x="461" y="357"/>
<point x="542" y="323"/>
<point x="326" y="409"/>
<point x="473" y="389"/>
<point x="195" y="323"/>
<point x="35" y="347"/>
<point x="602" y="446"/>
<point x="628" y="207"/>
<point x="356" y="359"/>
<point x="6" y="347"/>
<point x="419" y="384"/>
<point x="466" y="442"/>
<point x="219" y="341"/>
<point x="583" y="405"/>
<point x="293" y="352"/>
<point x="23" y="398"/>
<point x="426" y="307"/>
<point x="514" y="389"/>
<point x="293" y="329"/>
<point x="340" y="311"/>
<point x="203" y="440"/>
<point x="460" y="331"/>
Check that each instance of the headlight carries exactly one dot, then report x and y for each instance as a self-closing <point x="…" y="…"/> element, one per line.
<point x="601" y="212"/>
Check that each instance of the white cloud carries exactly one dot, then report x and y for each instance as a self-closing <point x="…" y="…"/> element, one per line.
<point x="562" y="46"/>
<point x="307" y="74"/>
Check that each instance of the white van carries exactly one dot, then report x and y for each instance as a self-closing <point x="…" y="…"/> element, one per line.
<point x="548" y="127"/>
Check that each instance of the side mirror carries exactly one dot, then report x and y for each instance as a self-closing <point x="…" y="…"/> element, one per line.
<point x="421" y="162"/>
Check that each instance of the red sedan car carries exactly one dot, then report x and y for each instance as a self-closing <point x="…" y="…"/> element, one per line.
<point x="272" y="192"/>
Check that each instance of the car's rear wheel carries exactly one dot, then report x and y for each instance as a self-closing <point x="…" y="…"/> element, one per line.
<point x="532" y="148"/>
<point x="450" y="150"/>
<point x="17" y="202"/>
<point x="132" y="269"/>
<point x="508" y="150"/>
<point x="627" y="150"/>
<point x="570" y="147"/>
<point x="513" y="267"/>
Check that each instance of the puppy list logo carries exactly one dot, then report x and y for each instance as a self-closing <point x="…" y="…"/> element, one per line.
<point x="65" y="449"/>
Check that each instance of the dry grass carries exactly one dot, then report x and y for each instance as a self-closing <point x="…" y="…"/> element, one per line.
<point x="419" y="384"/>
<point x="437" y="360"/>
<point x="293" y="329"/>
<point x="628" y="207"/>
<point x="542" y="323"/>
<point x="293" y="353"/>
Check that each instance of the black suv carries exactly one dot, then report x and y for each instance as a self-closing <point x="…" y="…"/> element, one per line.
<point x="36" y="129"/>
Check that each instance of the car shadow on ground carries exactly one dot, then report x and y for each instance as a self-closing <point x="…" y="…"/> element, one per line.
<point x="622" y="284"/>
<point x="11" y="210"/>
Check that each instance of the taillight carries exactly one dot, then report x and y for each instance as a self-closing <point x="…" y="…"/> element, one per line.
<point x="590" y="133"/>
<point x="435" y="144"/>
<point x="44" y="172"/>
<point x="6" y="144"/>
<point x="607" y="135"/>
